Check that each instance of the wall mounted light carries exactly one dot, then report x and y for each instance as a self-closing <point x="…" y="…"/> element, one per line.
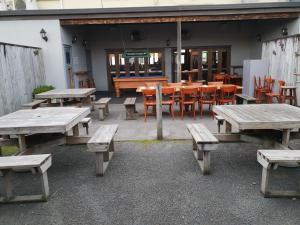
<point x="44" y="34"/>
<point x="258" y="37"/>
<point x="84" y="43"/>
<point x="168" y="42"/>
<point x="284" y="31"/>
<point x="74" y="39"/>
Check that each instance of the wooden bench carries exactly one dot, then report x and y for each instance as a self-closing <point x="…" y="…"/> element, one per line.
<point x="85" y="123"/>
<point x="130" y="108"/>
<point x="34" y="104"/>
<point x="102" y="144"/>
<point x="220" y="121"/>
<point x="102" y="106"/>
<point x="244" y="99"/>
<point x="203" y="142"/>
<point x="36" y="163"/>
<point x="270" y="159"/>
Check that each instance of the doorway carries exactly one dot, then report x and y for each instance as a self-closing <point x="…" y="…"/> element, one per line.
<point x="68" y="66"/>
<point x="208" y="61"/>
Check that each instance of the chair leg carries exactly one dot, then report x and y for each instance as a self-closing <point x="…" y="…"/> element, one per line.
<point x="201" y="110"/>
<point x="172" y="109"/>
<point x="145" y="113"/>
<point x="182" y="109"/>
<point x="194" y="110"/>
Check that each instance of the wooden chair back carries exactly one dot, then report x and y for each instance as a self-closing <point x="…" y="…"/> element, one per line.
<point x="208" y="93"/>
<point x="219" y="77"/>
<point x="188" y="94"/>
<point x="215" y="83"/>
<point x="149" y="95"/>
<point x="227" y="93"/>
<point x="280" y="84"/>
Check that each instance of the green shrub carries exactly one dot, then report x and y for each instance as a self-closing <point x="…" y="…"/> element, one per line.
<point x="42" y="89"/>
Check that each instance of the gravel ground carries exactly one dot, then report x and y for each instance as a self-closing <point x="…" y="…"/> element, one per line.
<point x="155" y="183"/>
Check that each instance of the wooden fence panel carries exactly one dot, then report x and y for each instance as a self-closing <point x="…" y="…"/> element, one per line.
<point x="21" y="70"/>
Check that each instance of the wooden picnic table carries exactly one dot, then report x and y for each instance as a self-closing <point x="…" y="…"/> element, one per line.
<point x="42" y="121"/>
<point x="261" y="117"/>
<point x="84" y="94"/>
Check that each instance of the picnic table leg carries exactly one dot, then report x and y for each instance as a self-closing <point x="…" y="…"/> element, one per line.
<point x="228" y="127"/>
<point x="86" y="101"/>
<point x="7" y="184"/>
<point x="22" y="143"/>
<point x="286" y="136"/>
<point x="61" y="102"/>
<point x="76" y="130"/>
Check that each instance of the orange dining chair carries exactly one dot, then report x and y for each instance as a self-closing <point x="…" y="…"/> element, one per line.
<point x="278" y="95"/>
<point x="168" y="95"/>
<point x="188" y="97"/>
<point x="219" y="77"/>
<point x="149" y="100"/>
<point x="227" y="94"/>
<point x="207" y="95"/>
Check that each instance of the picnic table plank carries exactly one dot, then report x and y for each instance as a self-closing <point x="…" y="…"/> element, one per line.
<point x="66" y="93"/>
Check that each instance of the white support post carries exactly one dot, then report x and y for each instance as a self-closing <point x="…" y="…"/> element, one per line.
<point x="159" y="112"/>
<point x="178" y="57"/>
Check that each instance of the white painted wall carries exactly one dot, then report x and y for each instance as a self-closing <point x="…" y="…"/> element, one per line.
<point x="237" y="35"/>
<point x="27" y="32"/>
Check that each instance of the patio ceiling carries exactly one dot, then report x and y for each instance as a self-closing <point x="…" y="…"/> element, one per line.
<point x="166" y="14"/>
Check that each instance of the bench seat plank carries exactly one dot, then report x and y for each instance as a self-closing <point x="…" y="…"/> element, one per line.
<point x="14" y="162"/>
<point x="102" y="101"/>
<point x="34" y="103"/>
<point x="130" y="101"/>
<point x="280" y="156"/>
<point x="246" y="97"/>
<point x="201" y="134"/>
<point x="103" y="135"/>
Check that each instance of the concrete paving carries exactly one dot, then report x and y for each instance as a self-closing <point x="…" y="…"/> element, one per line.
<point x="140" y="130"/>
<point x="151" y="182"/>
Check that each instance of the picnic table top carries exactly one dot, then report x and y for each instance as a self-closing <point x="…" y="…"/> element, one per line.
<point x="42" y="120"/>
<point x="260" y="116"/>
<point x="67" y="93"/>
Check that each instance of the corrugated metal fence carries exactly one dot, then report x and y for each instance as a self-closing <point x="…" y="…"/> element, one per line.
<point x="283" y="58"/>
<point x="21" y="70"/>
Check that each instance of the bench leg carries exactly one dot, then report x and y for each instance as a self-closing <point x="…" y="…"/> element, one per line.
<point x="45" y="185"/>
<point x="101" y="114"/>
<point x="106" y="109"/>
<point x="286" y="137"/>
<point x="99" y="164"/>
<point x="203" y="158"/>
<point x="130" y="112"/>
<point x="194" y="145"/>
<point x="265" y="181"/>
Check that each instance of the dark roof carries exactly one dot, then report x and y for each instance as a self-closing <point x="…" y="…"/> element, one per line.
<point x="154" y="11"/>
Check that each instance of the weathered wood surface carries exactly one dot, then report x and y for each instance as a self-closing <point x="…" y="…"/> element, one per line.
<point x="129" y="101"/>
<point x="102" y="101"/>
<point x="103" y="136"/>
<point x="201" y="134"/>
<point x="279" y="156"/>
<point x="260" y="116"/>
<point x="21" y="70"/>
<point x="33" y="104"/>
<point x="66" y="93"/>
<point x="37" y="163"/>
<point x="269" y="159"/>
<point x="42" y="120"/>
<point x="26" y="161"/>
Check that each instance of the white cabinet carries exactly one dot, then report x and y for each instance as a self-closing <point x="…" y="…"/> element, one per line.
<point x="251" y="68"/>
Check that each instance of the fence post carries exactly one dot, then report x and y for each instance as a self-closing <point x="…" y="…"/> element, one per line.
<point x="159" y="112"/>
